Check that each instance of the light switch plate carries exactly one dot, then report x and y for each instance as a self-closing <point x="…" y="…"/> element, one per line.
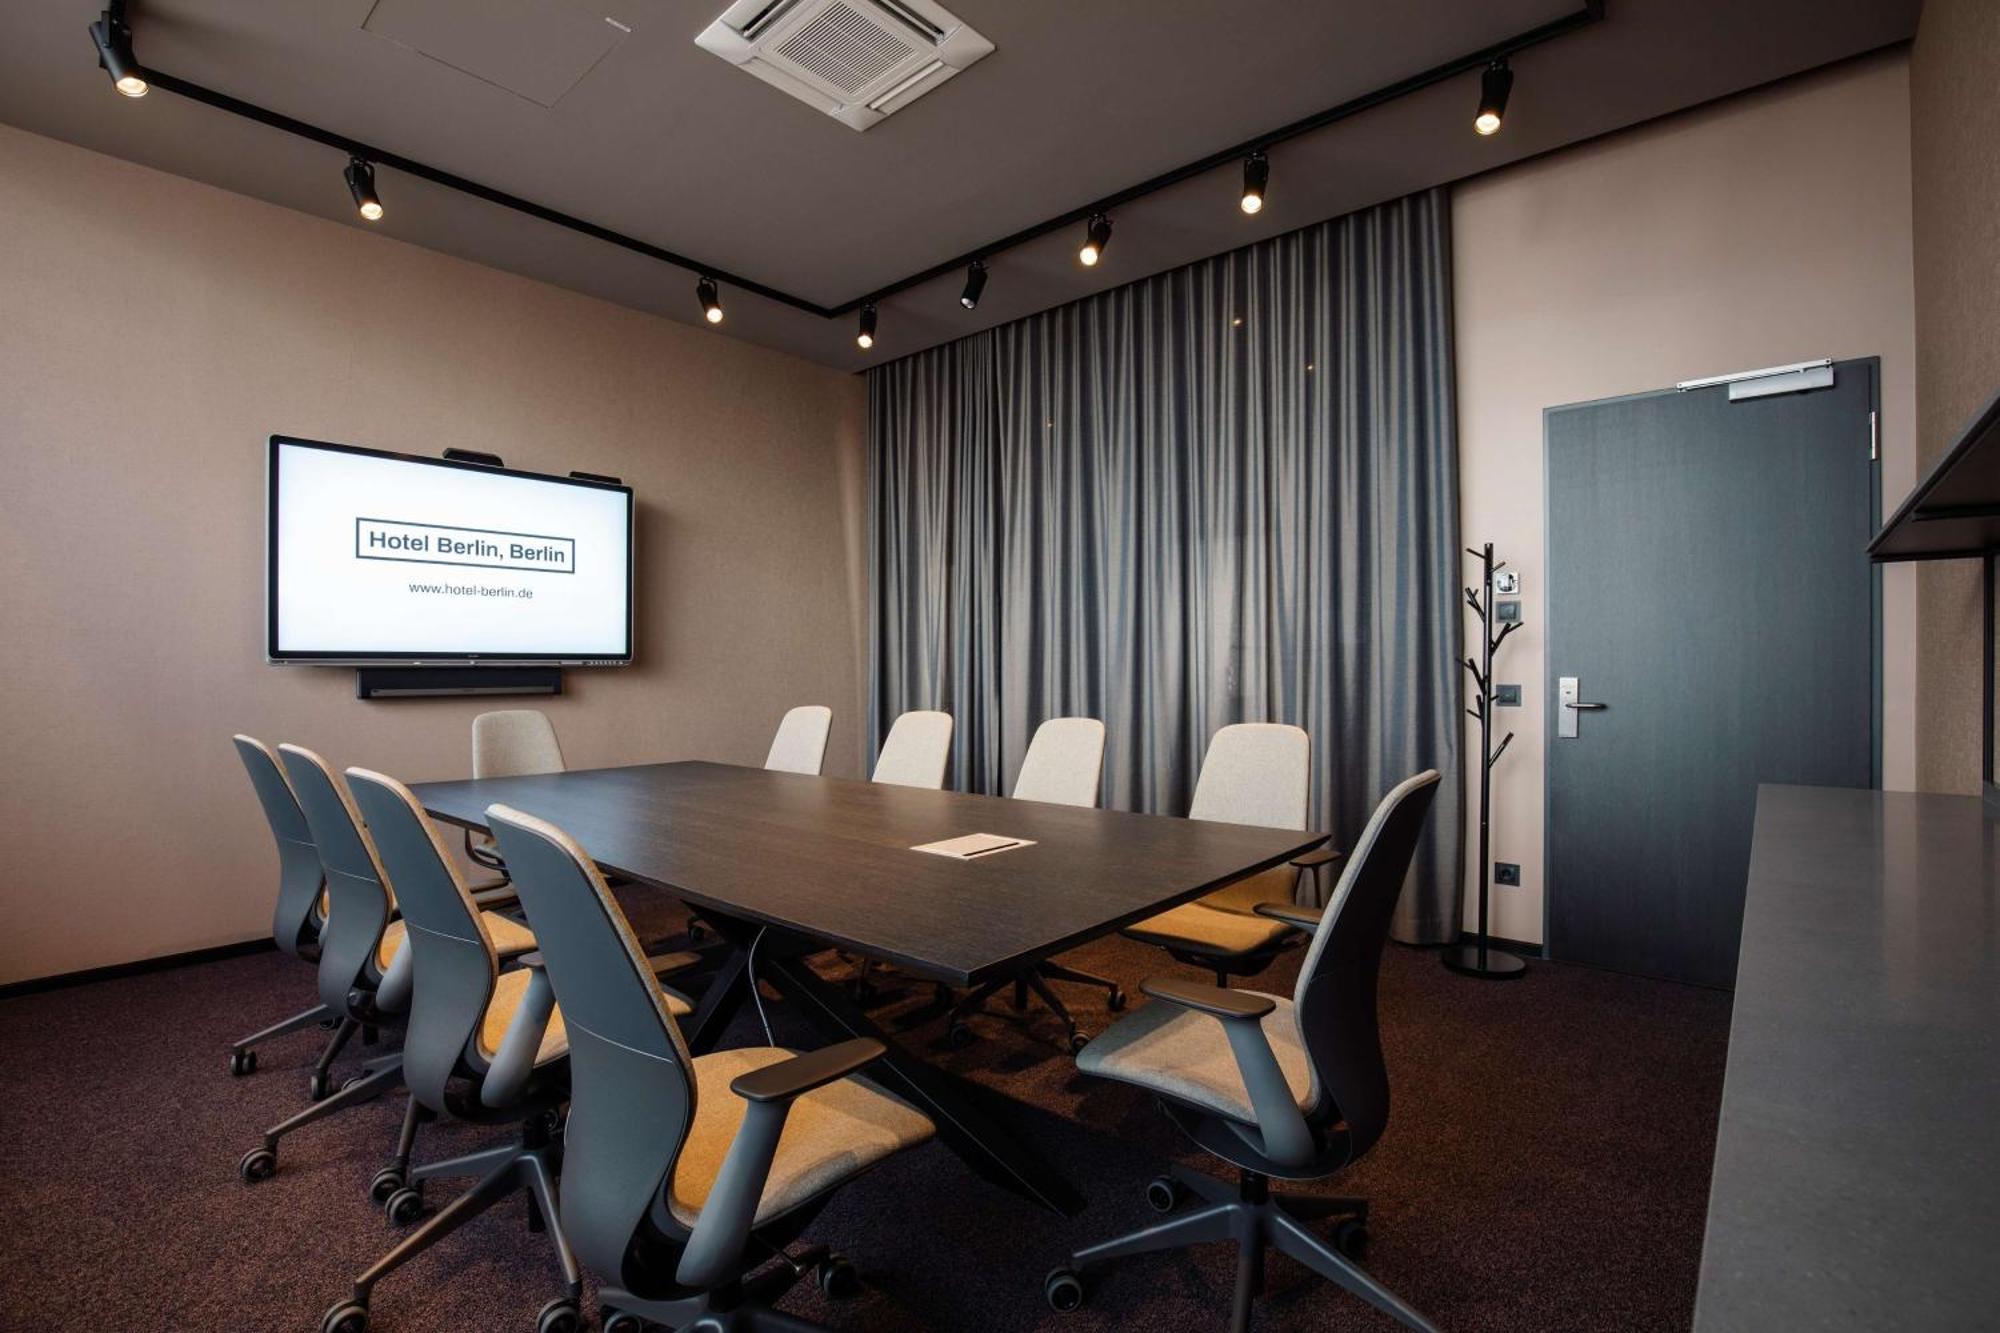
<point x="1506" y="612"/>
<point x="1507" y="581"/>
<point x="1506" y="696"/>
<point x="1506" y="872"/>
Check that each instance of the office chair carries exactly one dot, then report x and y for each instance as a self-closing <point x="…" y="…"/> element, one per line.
<point x="480" y="1045"/>
<point x="683" y="1176"/>
<point x="300" y="911"/>
<point x="1294" y="1089"/>
<point x="364" y="970"/>
<point x="800" y="744"/>
<point x="509" y="743"/>
<point x="1064" y="766"/>
<point x="1254" y="773"/>
<point x="915" y="751"/>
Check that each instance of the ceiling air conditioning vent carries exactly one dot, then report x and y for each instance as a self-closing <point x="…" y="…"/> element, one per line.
<point x="856" y="60"/>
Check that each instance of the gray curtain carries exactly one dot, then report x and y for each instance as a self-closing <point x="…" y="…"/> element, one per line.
<point x="1227" y="493"/>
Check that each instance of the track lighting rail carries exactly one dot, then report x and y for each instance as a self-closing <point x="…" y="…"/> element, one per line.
<point x="1591" y="12"/>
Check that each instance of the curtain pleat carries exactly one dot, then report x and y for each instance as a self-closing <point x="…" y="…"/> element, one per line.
<point x="1226" y="493"/>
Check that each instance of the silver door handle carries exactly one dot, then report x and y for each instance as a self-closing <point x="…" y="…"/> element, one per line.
<point x="1587" y="708"/>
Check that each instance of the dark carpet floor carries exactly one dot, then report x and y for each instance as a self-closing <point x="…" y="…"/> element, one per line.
<point x="1546" y="1167"/>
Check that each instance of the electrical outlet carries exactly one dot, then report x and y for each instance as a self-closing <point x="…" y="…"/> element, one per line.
<point x="1507" y="581"/>
<point x="1506" y="872"/>
<point x="1507" y="613"/>
<point x="1506" y="696"/>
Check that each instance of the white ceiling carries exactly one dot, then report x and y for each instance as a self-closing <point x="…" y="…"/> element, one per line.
<point x="645" y="133"/>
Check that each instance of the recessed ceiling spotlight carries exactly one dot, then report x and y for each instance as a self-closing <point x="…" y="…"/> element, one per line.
<point x="361" y="184"/>
<point x="1256" y="175"/>
<point x="1095" y="237"/>
<point x="114" y="54"/>
<point x="975" y="283"/>
<point x="865" y="339"/>
<point x="1494" y="85"/>
<point x="711" y="300"/>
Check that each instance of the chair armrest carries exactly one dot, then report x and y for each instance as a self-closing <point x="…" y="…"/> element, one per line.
<point x="1305" y="918"/>
<point x="534" y="959"/>
<point x="514" y="1063"/>
<point x="714" y="1248"/>
<point x="501" y="894"/>
<point x="1324" y="854"/>
<point x="1225" y="1004"/>
<point x="802" y="1073"/>
<point x="1287" y="1139"/>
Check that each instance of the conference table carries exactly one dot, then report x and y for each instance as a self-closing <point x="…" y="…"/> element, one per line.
<point x="784" y="866"/>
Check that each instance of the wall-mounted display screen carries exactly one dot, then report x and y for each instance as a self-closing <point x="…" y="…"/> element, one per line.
<point x="380" y="557"/>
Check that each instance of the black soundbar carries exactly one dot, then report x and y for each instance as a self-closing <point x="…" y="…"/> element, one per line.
<point x="439" y="682"/>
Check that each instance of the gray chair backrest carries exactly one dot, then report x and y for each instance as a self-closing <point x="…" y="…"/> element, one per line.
<point x="1064" y="763"/>
<point x="1255" y="773"/>
<point x="514" y="743"/>
<point x="453" y="961"/>
<point x="1335" y="996"/>
<point x="632" y="1096"/>
<point x="916" y="750"/>
<point x="300" y="879"/>
<point x="800" y="745"/>
<point x="358" y="896"/>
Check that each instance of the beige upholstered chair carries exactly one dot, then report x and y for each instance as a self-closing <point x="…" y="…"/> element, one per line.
<point x="800" y="745"/>
<point x="916" y="751"/>
<point x="682" y="1173"/>
<point x="485" y="1044"/>
<point x="1254" y="773"/>
<point x="1064" y="766"/>
<point x="1286" y="1088"/>
<point x="510" y="743"/>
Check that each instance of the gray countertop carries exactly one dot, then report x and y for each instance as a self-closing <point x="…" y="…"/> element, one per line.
<point x="1857" y="1158"/>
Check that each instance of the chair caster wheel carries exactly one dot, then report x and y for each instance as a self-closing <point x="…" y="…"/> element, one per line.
<point x="1165" y="1193"/>
<point x="387" y="1181"/>
<point x="1064" y="1290"/>
<point x="621" y="1321"/>
<point x="961" y="1035"/>
<point x="837" y="1278"/>
<point x="346" y="1317"/>
<point x="241" y="1063"/>
<point x="1077" y="1041"/>
<point x="317" y="1090"/>
<point x="403" y="1207"/>
<point x="560" y="1315"/>
<point x="697" y="936"/>
<point x="1351" y="1239"/>
<point x="257" y="1164"/>
<point x="1115" y="1002"/>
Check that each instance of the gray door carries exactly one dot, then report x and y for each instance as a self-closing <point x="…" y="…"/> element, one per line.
<point x="1708" y="585"/>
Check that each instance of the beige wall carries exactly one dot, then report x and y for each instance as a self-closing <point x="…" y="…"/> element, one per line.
<point x="1774" y="227"/>
<point x="1955" y="179"/>
<point x="155" y="331"/>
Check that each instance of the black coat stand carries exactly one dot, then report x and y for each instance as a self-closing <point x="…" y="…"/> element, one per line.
<point x="1478" y="959"/>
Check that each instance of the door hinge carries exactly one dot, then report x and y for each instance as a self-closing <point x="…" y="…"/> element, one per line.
<point x="1874" y="438"/>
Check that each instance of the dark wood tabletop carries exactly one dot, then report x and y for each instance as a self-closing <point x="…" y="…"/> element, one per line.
<point x="830" y="858"/>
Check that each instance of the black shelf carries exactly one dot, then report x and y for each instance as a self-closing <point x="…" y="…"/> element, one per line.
<point x="1954" y="513"/>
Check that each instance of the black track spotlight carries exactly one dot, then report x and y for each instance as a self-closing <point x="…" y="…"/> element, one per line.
<point x="711" y="300"/>
<point x="114" y="53"/>
<point x="1256" y="175"/>
<point x="865" y="339"/>
<point x="1095" y="237"/>
<point x="360" y="175"/>
<point x="975" y="283"/>
<point x="1494" y="85"/>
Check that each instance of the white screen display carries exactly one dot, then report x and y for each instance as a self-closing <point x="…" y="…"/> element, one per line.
<point x="377" y="556"/>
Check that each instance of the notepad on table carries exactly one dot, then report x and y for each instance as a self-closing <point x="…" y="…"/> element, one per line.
<point x="973" y="845"/>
